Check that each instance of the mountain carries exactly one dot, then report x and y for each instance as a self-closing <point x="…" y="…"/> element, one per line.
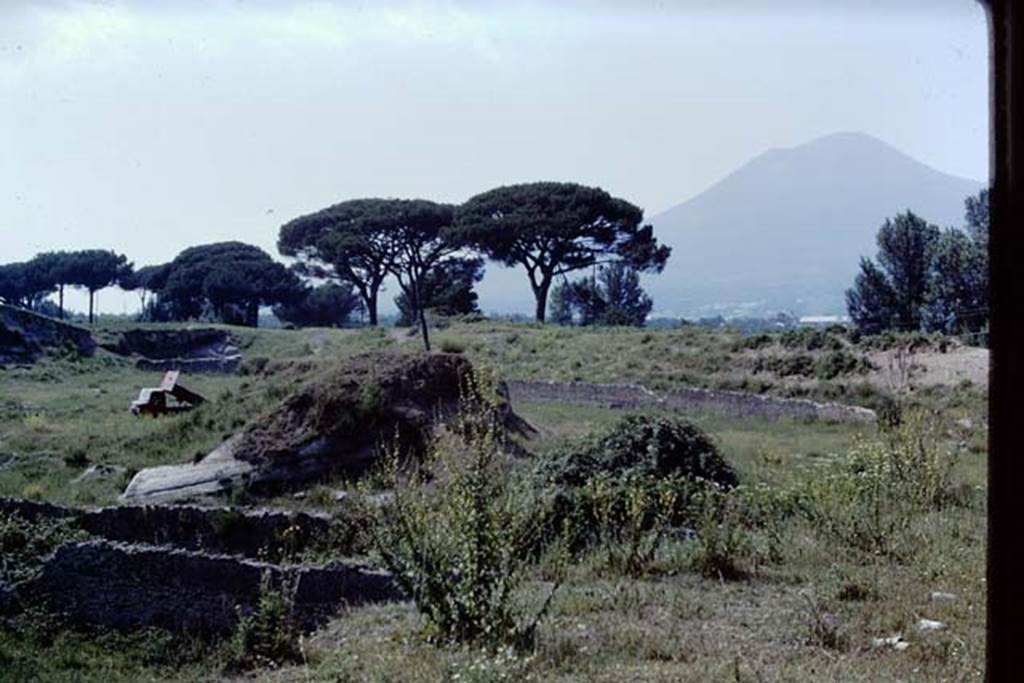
<point x="786" y="230"/>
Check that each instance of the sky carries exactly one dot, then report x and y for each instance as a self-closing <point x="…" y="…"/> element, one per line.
<point x="149" y="127"/>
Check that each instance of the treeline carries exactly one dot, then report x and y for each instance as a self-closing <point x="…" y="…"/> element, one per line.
<point x="924" y="278"/>
<point x="435" y="251"/>
<point x="29" y="283"/>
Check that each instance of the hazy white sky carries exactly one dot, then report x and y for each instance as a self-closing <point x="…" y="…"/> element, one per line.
<point x="149" y="127"/>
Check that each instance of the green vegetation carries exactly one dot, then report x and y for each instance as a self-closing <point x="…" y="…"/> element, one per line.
<point x="611" y="297"/>
<point x="552" y="229"/>
<point x="825" y="537"/>
<point x="269" y="637"/>
<point x="926" y="278"/>
<point x="457" y="538"/>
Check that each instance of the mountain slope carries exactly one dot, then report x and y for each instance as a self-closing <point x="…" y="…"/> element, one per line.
<point x="785" y="230"/>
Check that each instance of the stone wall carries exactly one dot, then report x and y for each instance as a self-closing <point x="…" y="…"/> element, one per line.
<point x="732" y="403"/>
<point x="250" y="533"/>
<point x="126" y="587"/>
<point x="186" y="568"/>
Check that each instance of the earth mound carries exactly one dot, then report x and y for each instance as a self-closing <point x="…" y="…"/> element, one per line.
<point x="25" y="336"/>
<point x="334" y="423"/>
<point x="192" y="350"/>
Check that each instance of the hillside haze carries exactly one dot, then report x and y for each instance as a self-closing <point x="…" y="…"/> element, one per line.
<point x="785" y="231"/>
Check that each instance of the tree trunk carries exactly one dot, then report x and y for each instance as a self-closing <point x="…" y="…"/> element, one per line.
<point x="540" y="292"/>
<point x="61" y="301"/>
<point x="92" y="295"/>
<point x="422" y="316"/>
<point x="371" y="306"/>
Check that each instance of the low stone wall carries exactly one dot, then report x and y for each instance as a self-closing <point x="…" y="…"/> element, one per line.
<point x="250" y="533"/>
<point x="213" y="364"/>
<point x="126" y="587"/>
<point x="733" y="403"/>
<point x="24" y="336"/>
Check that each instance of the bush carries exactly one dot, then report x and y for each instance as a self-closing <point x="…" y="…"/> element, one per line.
<point x="269" y="636"/>
<point x="457" y="538"/>
<point x="640" y="446"/>
<point x="630" y="520"/>
<point x="837" y="363"/>
<point x="23" y="544"/>
<point x="718" y="517"/>
<point x="800" y="364"/>
<point x="449" y="345"/>
<point x="871" y="503"/>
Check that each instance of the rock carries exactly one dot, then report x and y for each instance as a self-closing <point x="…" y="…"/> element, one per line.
<point x="217" y="473"/>
<point x="939" y="596"/>
<point x="99" y="472"/>
<point x="930" y="625"/>
<point x="895" y="642"/>
<point x="212" y="364"/>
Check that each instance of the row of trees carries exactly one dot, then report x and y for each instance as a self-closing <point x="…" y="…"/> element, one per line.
<point x="28" y="283"/>
<point x="434" y="250"/>
<point x="926" y="278"/>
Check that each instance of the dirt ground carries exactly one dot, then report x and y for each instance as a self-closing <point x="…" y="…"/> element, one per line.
<point x="930" y="368"/>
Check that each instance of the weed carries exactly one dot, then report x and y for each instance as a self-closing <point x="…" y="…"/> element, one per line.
<point x="457" y="538"/>
<point x="720" y="539"/>
<point x="871" y="503"/>
<point x="632" y="520"/>
<point x="824" y="628"/>
<point x="268" y="637"/>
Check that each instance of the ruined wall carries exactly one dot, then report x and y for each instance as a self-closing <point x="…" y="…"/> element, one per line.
<point x="126" y="587"/>
<point x="187" y="568"/>
<point x="25" y="335"/>
<point x="250" y="533"/>
<point x="733" y="403"/>
<point x="190" y="350"/>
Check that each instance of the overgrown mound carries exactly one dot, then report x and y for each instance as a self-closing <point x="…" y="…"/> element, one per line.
<point x="641" y="446"/>
<point x="26" y="336"/>
<point x="345" y="411"/>
<point x="162" y="344"/>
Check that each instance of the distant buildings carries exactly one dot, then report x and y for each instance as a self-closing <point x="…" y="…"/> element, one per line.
<point x="823" y="320"/>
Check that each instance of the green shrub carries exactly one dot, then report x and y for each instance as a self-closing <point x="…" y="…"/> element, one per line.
<point x="639" y="446"/>
<point x="450" y="345"/>
<point x="457" y="538"/>
<point x="24" y="543"/>
<point x="800" y="364"/>
<point x="837" y="363"/>
<point x="630" y="520"/>
<point x="268" y="637"/>
<point x="718" y="516"/>
<point x="871" y="502"/>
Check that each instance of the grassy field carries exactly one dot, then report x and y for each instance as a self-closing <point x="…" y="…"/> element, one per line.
<point x="808" y="606"/>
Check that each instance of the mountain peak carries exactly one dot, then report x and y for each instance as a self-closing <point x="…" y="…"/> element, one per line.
<point x="790" y="224"/>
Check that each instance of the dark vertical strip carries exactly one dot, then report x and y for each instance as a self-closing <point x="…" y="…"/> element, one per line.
<point x="1005" y="659"/>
